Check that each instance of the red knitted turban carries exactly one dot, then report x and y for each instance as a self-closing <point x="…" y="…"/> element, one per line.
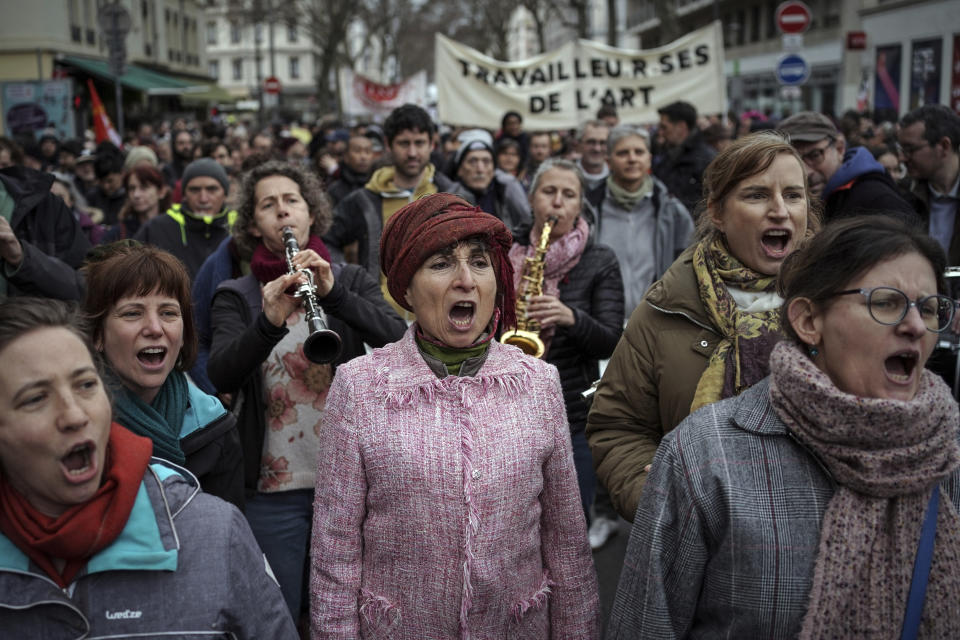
<point x="434" y="222"/>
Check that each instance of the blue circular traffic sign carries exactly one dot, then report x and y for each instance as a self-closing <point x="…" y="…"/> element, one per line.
<point x="792" y="70"/>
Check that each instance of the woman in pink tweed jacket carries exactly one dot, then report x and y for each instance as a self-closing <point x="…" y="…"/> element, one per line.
<point x="447" y="503"/>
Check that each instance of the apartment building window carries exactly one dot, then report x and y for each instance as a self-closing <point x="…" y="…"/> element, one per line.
<point x="258" y="33"/>
<point x="235" y="33"/>
<point x="755" y="23"/>
<point x="237" y="68"/>
<point x="211" y="33"/>
<point x="294" y="67"/>
<point x="291" y="33"/>
<point x="213" y="69"/>
<point x="144" y="9"/>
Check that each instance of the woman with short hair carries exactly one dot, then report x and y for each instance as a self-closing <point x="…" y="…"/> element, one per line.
<point x="801" y="507"/>
<point x="138" y="302"/>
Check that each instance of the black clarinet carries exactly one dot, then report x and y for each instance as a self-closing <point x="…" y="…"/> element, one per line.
<point x="322" y="345"/>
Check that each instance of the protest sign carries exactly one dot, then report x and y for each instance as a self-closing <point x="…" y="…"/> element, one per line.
<point x="565" y="87"/>
<point x="364" y="97"/>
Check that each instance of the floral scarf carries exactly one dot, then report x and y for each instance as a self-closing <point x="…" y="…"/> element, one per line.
<point x="886" y="456"/>
<point x="562" y="256"/>
<point x="741" y="358"/>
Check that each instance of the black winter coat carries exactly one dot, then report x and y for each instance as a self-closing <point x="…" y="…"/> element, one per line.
<point x="348" y="182"/>
<point x="873" y="192"/>
<point x="243" y="338"/>
<point x="681" y="169"/>
<point x="53" y="243"/>
<point x="593" y="289"/>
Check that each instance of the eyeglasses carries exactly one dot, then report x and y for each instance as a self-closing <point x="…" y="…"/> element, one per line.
<point x="814" y="157"/>
<point x="910" y="149"/>
<point x="888" y="305"/>
<point x="594" y="143"/>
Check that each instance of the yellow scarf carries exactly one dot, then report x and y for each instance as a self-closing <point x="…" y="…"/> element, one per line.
<point x="743" y="356"/>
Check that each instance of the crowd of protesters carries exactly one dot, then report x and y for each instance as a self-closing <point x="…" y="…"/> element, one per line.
<point x="770" y="293"/>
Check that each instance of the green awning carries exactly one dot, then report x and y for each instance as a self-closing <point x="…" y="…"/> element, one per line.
<point x="206" y="94"/>
<point x="150" y="82"/>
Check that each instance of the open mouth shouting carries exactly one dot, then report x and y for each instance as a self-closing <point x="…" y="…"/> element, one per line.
<point x="152" y="357"/>
<point x="776" y="243"/>
<point x="79" y="464"/>
<point x="461" y="315"/>
<point x="901" y="366"/>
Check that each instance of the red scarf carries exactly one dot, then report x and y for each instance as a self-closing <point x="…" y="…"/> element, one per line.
<point x="83" y="530"/>
<point x="268" y="266"/>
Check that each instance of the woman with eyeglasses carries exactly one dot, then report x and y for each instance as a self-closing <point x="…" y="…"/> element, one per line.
<point x="808" y="506"/>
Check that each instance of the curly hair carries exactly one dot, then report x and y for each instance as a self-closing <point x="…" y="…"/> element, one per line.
<point x="317" y="201"/>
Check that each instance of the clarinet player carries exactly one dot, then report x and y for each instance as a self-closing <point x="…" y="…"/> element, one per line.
<point x="257" y="355"/>
<point x="580" y="310"/>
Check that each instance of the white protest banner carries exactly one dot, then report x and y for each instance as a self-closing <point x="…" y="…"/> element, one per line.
<point x="565" y="87"/>
<point x="364" y="97"/>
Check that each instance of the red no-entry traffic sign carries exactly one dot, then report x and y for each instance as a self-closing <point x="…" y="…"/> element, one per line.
<point x="793" y="17"/>
<point x="272" y="85"/>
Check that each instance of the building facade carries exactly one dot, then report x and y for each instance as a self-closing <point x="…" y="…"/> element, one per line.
<point x="914" y="41"/>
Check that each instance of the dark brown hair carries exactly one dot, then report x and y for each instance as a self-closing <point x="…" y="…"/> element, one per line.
<point x="846" y="249"/>
<point x="126" y="268"/>
<point x="145" y="175"/>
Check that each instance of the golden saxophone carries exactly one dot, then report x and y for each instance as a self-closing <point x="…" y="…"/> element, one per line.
<point x="527" y="334"/>
<point x="322" y="345"/>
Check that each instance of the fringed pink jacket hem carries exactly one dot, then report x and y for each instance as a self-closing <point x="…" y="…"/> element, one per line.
<point x="449" y="508"/>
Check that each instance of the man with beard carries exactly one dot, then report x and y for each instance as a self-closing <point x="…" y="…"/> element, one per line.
<point x="359" y="218"/>
<point x="182" y="148"/>
<point x="354" y="171"/>
<point x="848" y="181"/>
<point x="480" y="183"/>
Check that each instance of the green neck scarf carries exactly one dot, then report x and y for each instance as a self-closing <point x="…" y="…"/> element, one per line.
<point x="161" y="420"/>
<point x="452" y="357"/>
<point x="629" y="199"/>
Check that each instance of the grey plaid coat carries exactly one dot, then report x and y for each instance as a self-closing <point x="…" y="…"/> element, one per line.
<point x="726" y="533"/>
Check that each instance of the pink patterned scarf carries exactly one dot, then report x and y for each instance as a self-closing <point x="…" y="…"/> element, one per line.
<point x="563" y="255"/>
<point x="886" y="456"/>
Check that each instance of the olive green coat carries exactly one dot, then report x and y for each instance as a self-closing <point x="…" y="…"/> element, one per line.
<point x="648" y="387"/>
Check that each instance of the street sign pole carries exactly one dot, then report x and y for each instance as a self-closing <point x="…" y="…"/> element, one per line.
<point x="115" y="23"/>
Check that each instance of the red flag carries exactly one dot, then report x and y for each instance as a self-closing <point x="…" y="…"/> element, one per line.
<point x="102" y="127"/>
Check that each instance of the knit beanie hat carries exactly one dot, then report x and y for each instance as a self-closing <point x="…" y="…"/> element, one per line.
<point x="140" y="154"/>
<point x="205" y="167"/>
<point x="471" y="140"/>
<point x="434" y="222"/>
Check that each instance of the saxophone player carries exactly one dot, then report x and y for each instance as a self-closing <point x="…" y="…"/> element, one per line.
<point x="580" y="308"/>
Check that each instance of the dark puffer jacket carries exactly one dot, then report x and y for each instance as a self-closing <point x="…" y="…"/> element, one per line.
<point x="594" y="291"/>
